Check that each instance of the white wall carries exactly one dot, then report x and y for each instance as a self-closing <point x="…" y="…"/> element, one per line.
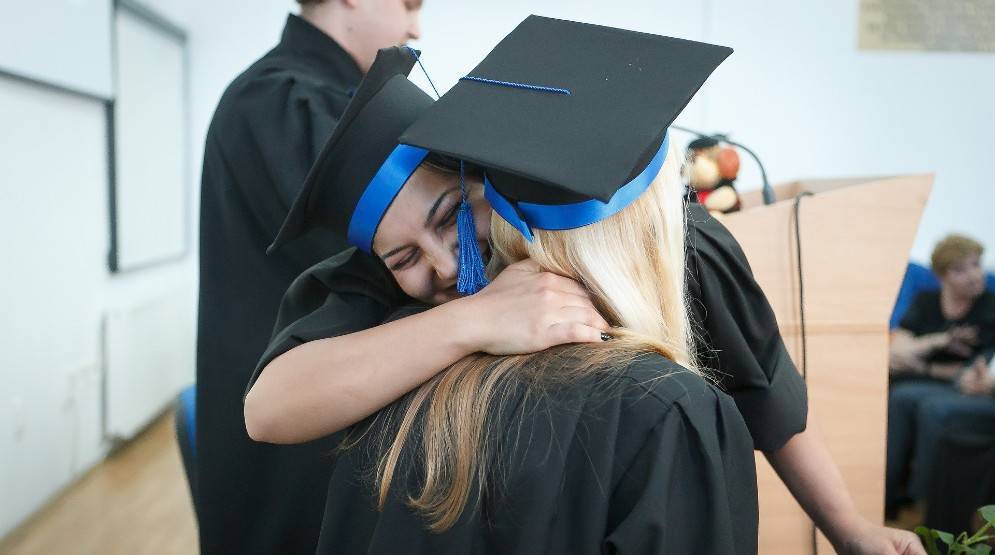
<point x="57" y="293"/>
<point x="799" y="92"/>
<point x="54" y="218"/>
<point x="81" y="61"/>
<point x="796" y="90"/>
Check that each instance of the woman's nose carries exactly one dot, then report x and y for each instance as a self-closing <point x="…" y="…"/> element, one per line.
<point x="444" y="262"/>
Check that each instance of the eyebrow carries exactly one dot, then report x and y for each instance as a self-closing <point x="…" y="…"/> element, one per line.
<point x="435" y="207"/>
<point x="428" y="220"/>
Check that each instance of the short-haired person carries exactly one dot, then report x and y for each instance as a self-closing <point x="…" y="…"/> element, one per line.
<point x="939" y="362"/>
<point x="263" y="138"/>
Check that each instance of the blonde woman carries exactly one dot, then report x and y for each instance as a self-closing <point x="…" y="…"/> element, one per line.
<point x="618" y="446"/>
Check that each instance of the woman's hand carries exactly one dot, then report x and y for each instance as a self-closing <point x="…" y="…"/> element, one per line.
<point x="524" y="310"/>
<point x="870" y="539"/>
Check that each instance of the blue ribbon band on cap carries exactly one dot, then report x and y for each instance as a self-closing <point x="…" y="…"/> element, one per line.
<point x="380" y="193"/>
<point x="525" y="216"/>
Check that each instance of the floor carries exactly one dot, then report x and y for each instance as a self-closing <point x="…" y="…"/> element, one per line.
<point x="135" y="502"/>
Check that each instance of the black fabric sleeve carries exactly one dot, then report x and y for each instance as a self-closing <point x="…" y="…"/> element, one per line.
<point x="915" y="317"/>
<point x="691" y="487"/>
<point x="289" y="144"/>
<point x="738" y="336"/>
<point x="275" y="126"/>
<point x="346" y="293"/>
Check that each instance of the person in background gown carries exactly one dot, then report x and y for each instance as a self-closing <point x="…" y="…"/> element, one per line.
<point x="263" y="138"/>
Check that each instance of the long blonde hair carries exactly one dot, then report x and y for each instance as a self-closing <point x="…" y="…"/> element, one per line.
<point x="632" y="264"/>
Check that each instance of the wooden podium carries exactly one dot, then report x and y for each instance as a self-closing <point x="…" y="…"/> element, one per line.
<point x="855" y="239"/>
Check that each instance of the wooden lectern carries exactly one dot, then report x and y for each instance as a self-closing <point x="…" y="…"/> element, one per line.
<point x="855" y="239"/>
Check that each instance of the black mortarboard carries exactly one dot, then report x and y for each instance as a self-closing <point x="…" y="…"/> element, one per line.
<point x="568" y="119"/>
<point x="362" y="167"/>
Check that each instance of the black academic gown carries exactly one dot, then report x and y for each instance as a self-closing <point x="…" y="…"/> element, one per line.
<point x="267" y="130"/>
<point x="651" y="460"/>
<point x="738" y="335"/>
<point x="740" y="341"/>
<point x="728" y="309"/>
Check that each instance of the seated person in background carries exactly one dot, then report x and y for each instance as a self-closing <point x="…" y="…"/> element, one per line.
<point x="938" y="365"/>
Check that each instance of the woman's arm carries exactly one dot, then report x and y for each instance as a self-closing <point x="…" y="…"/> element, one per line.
<point x="908" y="352"/>
<point x="805" y="466"/>
<point x="323" y="386"/>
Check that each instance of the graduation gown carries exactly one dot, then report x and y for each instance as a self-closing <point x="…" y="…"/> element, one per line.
<point x="267" y="130"/>
<point x="728" y="309"/>
<point x="741" y="343"/>
<point x="651" y="460"/>
<point x="737" y="334"/>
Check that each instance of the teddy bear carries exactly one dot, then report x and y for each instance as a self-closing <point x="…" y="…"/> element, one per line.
<point x="713" y="169"/>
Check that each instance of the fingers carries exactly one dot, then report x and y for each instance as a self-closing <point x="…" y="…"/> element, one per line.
<point x="583" y="315"/>
<point x="572" y="332"/>
<point x="959" y="349"/>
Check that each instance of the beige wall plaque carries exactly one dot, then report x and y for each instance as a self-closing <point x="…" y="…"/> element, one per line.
<point x="927" y="25"/>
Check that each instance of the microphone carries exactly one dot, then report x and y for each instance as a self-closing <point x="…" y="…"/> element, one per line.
<point x="768" y="191"/>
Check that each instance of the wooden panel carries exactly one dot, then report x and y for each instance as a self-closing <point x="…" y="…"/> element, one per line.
<point x="855" y="235"/>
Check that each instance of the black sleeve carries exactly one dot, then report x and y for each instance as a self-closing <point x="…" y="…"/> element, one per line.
<point x="289" y="144"/>
<point x="691" y="488"/>
<point x="273" y="128"/>
<point x="915" y="317"/>
<point x="738" y="335"/>
<point x="346" y="293"/>
<point x="985" y="322"/>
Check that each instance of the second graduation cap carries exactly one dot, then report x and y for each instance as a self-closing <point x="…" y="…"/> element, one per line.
<point x="361" y="167"/>
<point x="568" y="119"/>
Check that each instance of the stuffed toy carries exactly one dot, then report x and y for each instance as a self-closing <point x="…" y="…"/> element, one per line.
<point x="713" y="170"/>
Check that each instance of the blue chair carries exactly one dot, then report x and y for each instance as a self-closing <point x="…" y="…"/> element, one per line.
<point x="186" y="436"/>
<point x="917" y="279"/>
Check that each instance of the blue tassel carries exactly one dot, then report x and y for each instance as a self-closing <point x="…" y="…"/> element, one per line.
<point x="471" y="265"/>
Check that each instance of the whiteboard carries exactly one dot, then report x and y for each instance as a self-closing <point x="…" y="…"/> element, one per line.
<point x="65" y="43"/>
<point x="150" y="183"/>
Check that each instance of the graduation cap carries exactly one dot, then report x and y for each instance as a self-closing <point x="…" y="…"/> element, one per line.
<point x="361" y="168"/>
<point x="569" y="120"/>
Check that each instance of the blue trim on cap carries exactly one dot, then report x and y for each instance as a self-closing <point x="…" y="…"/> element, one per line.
<point x="373" y="204"/>
<point x="525" y="216"/>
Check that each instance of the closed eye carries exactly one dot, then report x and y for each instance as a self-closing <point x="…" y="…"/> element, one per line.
<point x="450" y="218"/>
<point x="407" y="260"/>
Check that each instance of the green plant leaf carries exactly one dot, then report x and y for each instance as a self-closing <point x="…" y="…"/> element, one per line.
<point x="945" y="537"/>
<point x="983" y="549"/>
<point x="988" y="513"/>
<point x="928" y="539"/>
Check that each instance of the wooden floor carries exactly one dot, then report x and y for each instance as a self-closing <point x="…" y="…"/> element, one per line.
<point x="135" y="502"/>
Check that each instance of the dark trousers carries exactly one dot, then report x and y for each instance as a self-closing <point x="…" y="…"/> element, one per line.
<point x="918" y="411"/>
